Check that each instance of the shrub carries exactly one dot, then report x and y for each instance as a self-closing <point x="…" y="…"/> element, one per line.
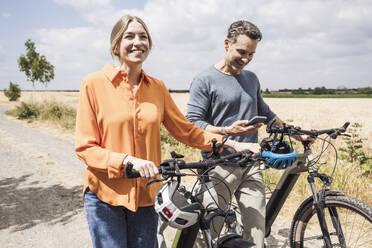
<point x="13" y="93"/>
<point x="52" y="111"/>
<point x="354" y="151"/>
<point x="59" y="113"/>
<point x="24" y="111"/>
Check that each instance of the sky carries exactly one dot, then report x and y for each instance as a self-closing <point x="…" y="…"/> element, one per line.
<point x="305" y="43"/>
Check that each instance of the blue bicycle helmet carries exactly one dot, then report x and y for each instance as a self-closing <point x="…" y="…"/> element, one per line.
<point x="280" y="157"/>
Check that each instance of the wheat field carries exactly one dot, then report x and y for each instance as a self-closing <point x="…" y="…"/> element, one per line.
<point x="317" y="113"/>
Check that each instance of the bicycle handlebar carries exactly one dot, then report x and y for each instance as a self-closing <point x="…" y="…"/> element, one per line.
<point x="292" y="130"/>
<point x="171" y="167"/>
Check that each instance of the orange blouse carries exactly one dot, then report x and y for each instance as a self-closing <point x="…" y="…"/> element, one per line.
<point x="112" y="123"/>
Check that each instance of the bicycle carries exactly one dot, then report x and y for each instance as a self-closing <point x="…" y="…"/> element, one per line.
<point x="320" y="221"/>
<point x="194" y="214"/>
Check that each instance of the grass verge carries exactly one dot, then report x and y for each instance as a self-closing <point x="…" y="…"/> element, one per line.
<point x="51" y="111"/>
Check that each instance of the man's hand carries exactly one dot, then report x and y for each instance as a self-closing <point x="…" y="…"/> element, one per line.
<point x="146" y="168"/>
<point x="279" y="122"/>
<point x="239" y="128"/>
<point x="304" y="138"/>
<point x="240" y="146"/>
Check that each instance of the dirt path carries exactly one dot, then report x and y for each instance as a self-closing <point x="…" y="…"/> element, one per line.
<point x="40" y="191"/>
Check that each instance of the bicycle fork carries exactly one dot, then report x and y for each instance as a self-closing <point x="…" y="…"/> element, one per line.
<point x="319" y="208"/>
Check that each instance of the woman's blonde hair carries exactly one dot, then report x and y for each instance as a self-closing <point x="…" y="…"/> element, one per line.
<point x="120" y="27"/>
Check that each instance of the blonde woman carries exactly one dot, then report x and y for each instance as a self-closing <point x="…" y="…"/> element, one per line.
<point x="118" y="121"/>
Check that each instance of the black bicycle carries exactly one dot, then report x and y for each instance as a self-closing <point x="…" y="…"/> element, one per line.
<point x="328" y="218"/>
<point x="184" y="209"/>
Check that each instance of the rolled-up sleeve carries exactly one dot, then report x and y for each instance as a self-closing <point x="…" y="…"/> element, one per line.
<point x="88" y="139"/>
<point x="199" y="103"/>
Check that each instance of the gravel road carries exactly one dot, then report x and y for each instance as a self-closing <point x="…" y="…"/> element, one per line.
<point x="40" y="191"/>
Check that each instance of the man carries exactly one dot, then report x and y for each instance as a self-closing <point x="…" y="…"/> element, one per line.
<point x="222" y="100"/>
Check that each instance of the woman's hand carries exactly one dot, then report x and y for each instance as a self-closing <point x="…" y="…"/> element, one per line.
<point x="240" y="146"/>
<point x="147" y="169"/>
<point x="239" y="128"/>
<point x="304" y="138"/>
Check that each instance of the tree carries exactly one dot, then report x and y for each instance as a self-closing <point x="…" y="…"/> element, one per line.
<point x="299" y="91"/>
<point x="366" y="90"/>
<point x="35" y="66"/>
<point x="320" y="90"/>
<point x="13" y="93"/>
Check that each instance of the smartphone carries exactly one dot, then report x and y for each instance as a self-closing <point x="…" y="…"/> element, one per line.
<point x="256" y="119"/>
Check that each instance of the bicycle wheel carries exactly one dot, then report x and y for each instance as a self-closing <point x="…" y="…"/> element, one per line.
<point x="349" y="223"/>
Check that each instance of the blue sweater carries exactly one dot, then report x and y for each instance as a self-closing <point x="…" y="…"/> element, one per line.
<point x="219" y="99"/>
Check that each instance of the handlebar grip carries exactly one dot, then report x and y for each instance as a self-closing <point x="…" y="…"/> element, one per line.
<point x="130" y="172"/>
<point x="345" y="125"/>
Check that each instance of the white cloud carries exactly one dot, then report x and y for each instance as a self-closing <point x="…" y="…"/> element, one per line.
<point x="97" y="12"/>
<point x="6" y="14"/>
<point x="74" y="52"/>
<point x="304" y="42"/>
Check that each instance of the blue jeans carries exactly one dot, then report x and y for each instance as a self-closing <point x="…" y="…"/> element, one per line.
<point x="116" y="226"/>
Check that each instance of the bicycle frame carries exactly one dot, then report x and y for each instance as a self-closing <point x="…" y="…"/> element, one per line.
<point x="284" y="187"/>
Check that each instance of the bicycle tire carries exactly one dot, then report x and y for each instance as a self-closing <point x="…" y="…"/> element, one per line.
<point x="355" y="218"/>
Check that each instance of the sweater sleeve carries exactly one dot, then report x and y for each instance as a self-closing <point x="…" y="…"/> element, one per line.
<point x="263" y="108"/>
<point x="182" y="129"/>
<point x="88" y="138"/>
<point x="199" y="103"/>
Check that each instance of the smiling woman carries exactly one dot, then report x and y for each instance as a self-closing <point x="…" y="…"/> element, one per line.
<point x="118" y="122"/>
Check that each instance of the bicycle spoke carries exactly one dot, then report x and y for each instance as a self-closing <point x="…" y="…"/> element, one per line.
<point x="317" y="237"/>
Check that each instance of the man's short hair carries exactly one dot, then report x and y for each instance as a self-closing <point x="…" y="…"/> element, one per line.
<point x="243" y="27"/>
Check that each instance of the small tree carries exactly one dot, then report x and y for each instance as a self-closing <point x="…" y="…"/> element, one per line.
<point x="353" y="151"/>
<point x="13" y="93"/>
<point x="35" y="66"/>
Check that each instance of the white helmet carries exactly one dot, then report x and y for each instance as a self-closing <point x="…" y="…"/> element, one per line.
<point x="174" y="208"/>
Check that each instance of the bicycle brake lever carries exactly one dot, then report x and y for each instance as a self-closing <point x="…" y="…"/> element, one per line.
<point x="155" y="181"/>
<point x="247" y="156"/>
<point x="335" y="134"/>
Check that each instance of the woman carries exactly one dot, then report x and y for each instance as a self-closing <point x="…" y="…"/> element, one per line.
<point x="118" y="121"/>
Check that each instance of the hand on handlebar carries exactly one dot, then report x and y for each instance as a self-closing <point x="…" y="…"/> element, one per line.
<point x="253" y="147"/>
<point x="304" y="137"/>
<point x="147" y="169"/>
<point x="239" y="128"/>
